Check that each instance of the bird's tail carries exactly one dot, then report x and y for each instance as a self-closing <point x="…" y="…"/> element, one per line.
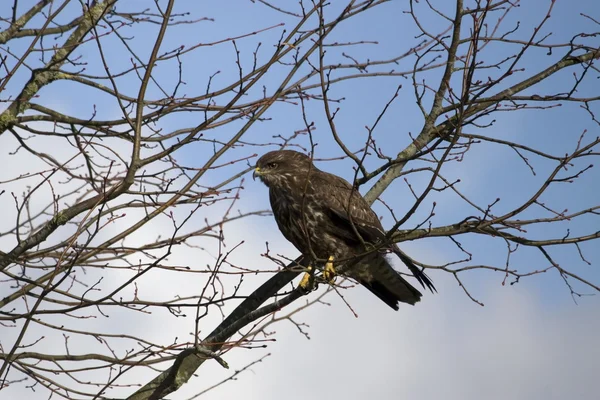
<point x="387" y="284"/>
<point x="423" y="279"/>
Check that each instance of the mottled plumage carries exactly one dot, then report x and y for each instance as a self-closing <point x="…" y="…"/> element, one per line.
<point x="322" y="215"/>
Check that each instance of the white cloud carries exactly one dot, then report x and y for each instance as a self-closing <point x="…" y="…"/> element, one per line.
<point x="445" y="347"/>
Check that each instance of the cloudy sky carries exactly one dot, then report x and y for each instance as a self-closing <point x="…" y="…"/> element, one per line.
<point x="529" y="341"/>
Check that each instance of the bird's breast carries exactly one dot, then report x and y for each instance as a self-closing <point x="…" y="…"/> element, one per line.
<point x="304" y="224"/>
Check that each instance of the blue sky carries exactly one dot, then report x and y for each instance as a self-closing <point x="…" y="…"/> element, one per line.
<point x="530" y="341"/>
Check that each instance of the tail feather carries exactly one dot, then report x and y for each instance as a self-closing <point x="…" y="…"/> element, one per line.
<point x="423" y="279"/>
<point x="389" y="285"/>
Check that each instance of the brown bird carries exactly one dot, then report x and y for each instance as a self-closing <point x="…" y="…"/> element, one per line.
<point x="325" y="218"/>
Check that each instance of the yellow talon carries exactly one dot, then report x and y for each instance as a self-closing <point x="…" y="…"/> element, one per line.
<point x="329" y="271"/>
<point x="304" y="283"/>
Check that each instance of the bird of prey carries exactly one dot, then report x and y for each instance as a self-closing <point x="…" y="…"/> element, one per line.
<point x="327" y="219"/>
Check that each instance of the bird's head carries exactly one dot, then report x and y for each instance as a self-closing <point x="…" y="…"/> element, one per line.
<point x="279" y="165"/>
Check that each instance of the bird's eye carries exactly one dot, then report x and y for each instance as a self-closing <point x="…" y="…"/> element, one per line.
<point x="272" y="165"/>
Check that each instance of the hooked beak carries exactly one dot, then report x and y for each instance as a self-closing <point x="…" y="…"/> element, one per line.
<point x="256" y="173"/>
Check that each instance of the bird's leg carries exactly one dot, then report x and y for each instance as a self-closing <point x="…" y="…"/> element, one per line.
<point x="305" y="283"/>
<point x="328" y="274"/>
<point x="329" y="271"/>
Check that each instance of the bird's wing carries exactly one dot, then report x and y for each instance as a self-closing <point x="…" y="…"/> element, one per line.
<point x="349" y="211"/>
<point x="353" y="219"/>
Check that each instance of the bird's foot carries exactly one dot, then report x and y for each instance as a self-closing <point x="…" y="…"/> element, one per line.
<point x="328" y="276"/>
<point x="329" y="270"/>
<point x="305" y="282"/>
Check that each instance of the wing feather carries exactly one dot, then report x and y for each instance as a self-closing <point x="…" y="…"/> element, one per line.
<point x="354" y="219"/>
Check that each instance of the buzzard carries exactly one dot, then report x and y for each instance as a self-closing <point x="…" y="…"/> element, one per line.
<point x="327" y="219"/>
